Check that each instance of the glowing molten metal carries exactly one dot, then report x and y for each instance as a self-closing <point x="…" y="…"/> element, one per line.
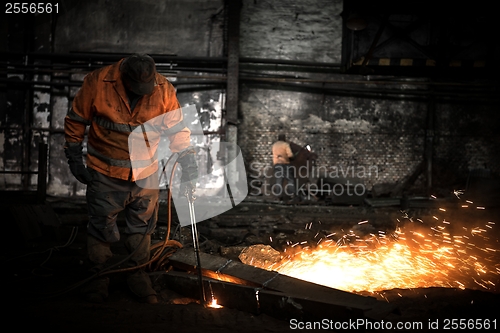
<point x="416" y="255"/>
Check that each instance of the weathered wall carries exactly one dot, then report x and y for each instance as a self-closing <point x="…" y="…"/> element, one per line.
<point x="355" y="131"/>
<point x="307" y="30"/>
<point x="347" y="133"/>
<point x="358" y="132"/>
<point x="467" y="138"/>
<point x="187" y="28"/>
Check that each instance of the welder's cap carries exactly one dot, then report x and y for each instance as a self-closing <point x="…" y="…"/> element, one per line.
<point x="138" y="73"/>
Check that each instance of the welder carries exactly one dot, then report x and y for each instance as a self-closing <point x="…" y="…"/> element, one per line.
<point x="112" y="102"/>
<point x="283" y="170"/>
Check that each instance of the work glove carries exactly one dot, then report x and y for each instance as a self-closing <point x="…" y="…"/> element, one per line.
<point x="189" y="167"/>
<point x="74" y="153"/>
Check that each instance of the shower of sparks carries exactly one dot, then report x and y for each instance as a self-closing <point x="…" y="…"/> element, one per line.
<point x="413" y="256"/>
<point x="458" y="193"/>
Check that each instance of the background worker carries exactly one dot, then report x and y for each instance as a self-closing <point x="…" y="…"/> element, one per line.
<point x="113" y="101"/>
<point x="283" y="170"/>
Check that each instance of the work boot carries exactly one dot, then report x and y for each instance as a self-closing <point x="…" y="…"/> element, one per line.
<point x="138" y="280"/>
<point x="96" y="290"/>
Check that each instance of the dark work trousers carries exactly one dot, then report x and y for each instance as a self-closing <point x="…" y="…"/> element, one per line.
<point x="106" y="197"/>
<point x="284" y="172"/>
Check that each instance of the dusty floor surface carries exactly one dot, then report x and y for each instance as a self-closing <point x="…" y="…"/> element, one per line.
<point x="39" y="294"/>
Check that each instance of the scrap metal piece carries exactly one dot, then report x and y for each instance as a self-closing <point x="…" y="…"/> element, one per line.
<point x="259" y="255"/>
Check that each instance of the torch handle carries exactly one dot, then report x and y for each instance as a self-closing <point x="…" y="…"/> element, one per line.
<point x="196" y="246"/>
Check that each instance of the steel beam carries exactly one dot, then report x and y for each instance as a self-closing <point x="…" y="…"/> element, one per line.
<point x="235" y="272"/>
<point x="256" y="300"/>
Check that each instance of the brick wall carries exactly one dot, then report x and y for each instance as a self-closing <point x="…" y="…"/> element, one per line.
<point x="386" y="137"/>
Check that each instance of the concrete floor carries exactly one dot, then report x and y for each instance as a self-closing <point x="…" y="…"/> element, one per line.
<point x="40" y="276"/>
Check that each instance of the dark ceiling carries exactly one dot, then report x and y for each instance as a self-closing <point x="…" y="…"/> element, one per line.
<point x="419" y="38"/>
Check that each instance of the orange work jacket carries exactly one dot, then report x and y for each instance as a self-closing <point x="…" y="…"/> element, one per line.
<point x="102" y="104"/>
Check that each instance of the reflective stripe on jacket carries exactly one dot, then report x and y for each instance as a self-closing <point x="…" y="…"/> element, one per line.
<point x="102" y="104"/>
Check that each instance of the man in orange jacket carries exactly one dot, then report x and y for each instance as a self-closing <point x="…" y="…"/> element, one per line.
<point x="113" y="101"/>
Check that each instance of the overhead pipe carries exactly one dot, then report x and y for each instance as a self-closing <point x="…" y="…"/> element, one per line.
<point x="341" y="89"/>
<point x="194" y="62"/>
<point x="217" y="82"/>
<point x="266" y="77"/>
